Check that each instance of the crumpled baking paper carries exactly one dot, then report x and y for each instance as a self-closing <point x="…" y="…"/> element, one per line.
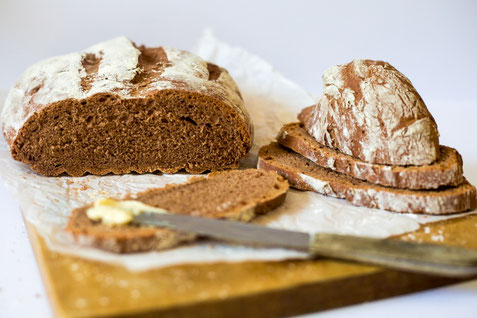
<point x="272" y="101"/>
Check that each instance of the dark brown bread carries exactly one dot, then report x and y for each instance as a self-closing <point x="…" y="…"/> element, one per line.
<point x="303" y="174"/>
<point x="446" y="171"/>
<point x="131" y="109"/>
<point x="234" y="195"/>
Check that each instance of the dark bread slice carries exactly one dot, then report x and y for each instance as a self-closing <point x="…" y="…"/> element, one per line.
<point x="303" y="174"/>
<point x="446" y="171"/>
<point x="119" y="108"/>
<point x="237" y="195"/>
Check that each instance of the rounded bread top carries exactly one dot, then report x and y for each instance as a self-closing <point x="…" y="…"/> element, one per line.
<point x="372" y="111"/>
<point x="117" y="67"/>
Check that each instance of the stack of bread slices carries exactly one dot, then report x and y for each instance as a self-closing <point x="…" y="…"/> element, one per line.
<point x="371" y="140"/>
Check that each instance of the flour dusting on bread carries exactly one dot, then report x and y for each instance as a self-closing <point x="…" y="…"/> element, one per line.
<point x="59" y="78"/>
<point x="371" y="111"/>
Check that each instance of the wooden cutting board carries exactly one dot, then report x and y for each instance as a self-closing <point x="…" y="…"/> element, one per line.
<point x="83" y="288"/>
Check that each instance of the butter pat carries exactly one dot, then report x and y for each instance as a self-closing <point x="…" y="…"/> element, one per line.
<point x="116" y="212"/>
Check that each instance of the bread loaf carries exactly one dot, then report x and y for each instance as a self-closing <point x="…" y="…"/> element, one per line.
<point x="371" y="140"/>
<point x="238" y="195"/>
<point x="118" y="108"/>
<point x="371" y="111"/>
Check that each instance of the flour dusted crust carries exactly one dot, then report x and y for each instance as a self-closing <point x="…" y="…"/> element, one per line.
<point x="371" y="111"/>
<point x="303" y="174"/>
<point x="446" y="171"/>
<point x="116" y="74"/>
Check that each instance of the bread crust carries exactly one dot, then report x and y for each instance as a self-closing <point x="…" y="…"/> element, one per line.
<point x="446" y="171"/>
<point x="304" y="174"/>
<point x="371" y="111"/>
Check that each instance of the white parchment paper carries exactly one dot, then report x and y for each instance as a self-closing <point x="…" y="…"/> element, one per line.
<point x="272" y="101"/>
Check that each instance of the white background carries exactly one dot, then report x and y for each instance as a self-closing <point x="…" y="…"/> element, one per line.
<point x="433" y="42"/>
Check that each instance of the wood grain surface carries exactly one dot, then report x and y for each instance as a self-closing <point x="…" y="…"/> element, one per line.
<point x="83" y="288"/>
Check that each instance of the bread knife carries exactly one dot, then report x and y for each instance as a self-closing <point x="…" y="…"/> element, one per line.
<point x="391" y="253"/>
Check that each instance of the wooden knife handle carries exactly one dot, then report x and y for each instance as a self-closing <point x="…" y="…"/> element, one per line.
<point x="401" y="255"/>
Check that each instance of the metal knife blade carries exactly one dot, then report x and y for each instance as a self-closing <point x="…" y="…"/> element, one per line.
<point x="407" y="256"/>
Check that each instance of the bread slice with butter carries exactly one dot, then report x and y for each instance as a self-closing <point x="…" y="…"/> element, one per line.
<point x="238" y="195"/>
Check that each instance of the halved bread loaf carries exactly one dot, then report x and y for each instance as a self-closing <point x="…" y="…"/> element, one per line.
<point x="446" y="171"/>
<point x="234" y="195"/>
<point x="304" y="174"/>
<point x="119" y="108"/>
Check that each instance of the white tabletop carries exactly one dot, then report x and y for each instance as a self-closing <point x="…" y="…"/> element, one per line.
<point x="433" y="42"/>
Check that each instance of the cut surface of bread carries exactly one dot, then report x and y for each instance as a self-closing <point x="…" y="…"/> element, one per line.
<point x="303" y="174"/>
<point x="237" y="195"/>
<point x="446" y="171"/>
<point x="119" y="108"/>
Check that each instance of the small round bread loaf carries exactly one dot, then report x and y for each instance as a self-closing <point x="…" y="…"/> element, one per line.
<point x="119" y="108"/>
<point x="371" y="111"/>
